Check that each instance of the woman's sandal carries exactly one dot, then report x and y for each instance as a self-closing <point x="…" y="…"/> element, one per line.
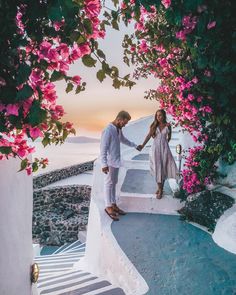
<point x="112" y="215"/>
<point x="159" y="194"/>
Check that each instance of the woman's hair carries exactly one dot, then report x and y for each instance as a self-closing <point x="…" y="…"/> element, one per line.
<point x="155" y="123"/>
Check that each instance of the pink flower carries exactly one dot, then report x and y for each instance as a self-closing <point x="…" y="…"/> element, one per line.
<point x="2" y="82"/>
<point x="207" y="73"/>
<point x="44" y="162"/>
<point x="180" y="35"/>
<point x="143" y="46"/>
<point x="19" y="23"/>
<point x="29" y="170"/>
<point x="85" y="49"/>
<point x="76" y="52"/>
<point x="139" y="26"/>
<point x="166" y="3"/>
<point x="199" y="99"/>
<point x="211" y="25"/>
<point x="132" y="48"/>
<point x="64" y="50"/>
<point x="195" y="80"/>
<point x="22" y="152"/>
<point x="68" y="125"/>
<point x="189" y="23"/>
<point x="206" y="109"/>
<point x="92" y="7"/>
<point x="76" y="80"/>
<point x="35" y="132"/>
<point x="12" y="109"/>
<point x="58" y="25"/>
<point x="123" y="5"/>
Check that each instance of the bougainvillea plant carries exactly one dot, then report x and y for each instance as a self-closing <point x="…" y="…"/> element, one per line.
<point x="39" y="41"/>
<point x="189" y="46"/>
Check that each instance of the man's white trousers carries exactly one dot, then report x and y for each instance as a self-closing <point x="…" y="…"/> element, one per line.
<point x="110" y="181"/>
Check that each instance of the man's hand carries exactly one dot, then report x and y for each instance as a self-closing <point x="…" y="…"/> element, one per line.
<point x="105" y="170"/>
<point x="139" y="147"/>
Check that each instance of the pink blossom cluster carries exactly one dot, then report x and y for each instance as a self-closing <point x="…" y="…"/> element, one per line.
<point x="19" y="23"/>
<point x="176" y="93"/>
<point x="191" y="182"/>
<point x="166" y="3"/>
<point x="144" y="17"/>
<point x="189" y="23"/>
<point x="57" y="56"/>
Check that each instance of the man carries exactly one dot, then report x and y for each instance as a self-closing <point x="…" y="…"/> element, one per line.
<point x="112" y="136"/>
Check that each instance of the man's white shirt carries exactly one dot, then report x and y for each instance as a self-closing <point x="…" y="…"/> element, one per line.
<point x="110" y="146"/>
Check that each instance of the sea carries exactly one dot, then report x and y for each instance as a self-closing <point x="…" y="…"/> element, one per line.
<point x="67" y="154"/>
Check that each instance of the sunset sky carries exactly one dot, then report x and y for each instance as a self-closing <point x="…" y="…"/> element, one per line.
<point x="92" y="109"/>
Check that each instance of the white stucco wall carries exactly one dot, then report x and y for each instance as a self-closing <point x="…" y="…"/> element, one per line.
<point x="16" y="251"/>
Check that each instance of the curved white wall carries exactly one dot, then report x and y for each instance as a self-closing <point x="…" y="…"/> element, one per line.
<point x="16" y="252"/>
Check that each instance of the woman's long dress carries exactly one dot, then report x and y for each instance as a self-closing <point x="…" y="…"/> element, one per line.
<point x="162" y="163"/>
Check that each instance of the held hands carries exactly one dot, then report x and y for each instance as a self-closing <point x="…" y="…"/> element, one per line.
<point x="105" y="170"/>
<point x="139" y="147"/>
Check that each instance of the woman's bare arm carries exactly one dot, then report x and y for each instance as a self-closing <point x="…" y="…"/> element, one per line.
<point x="146" y="139"/>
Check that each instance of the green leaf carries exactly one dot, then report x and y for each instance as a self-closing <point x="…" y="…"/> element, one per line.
<point x="65" y="134"/>
<point x="80" y="40"/>
<point x="126" y="77"/>
<point x="59" y="126"/>
<point x="55" y="13"/>
<point x="56" y="76"/>
<point x="5" y="150"/>
<point x="115" y="25"/>
<point x="202" y="62"/>
<point x="114" y="14"/>
<point x="105" y="67"/>
<point x="115" y="71"/>
<point x="24" y="93"/>
<point x="24" y="72"/>
<point x="107" y="15"/>
<point x="36" y="114"/>
<point x="88" y="61"/>
<point x="35" y="167"/>
<point x="74" y="36"/>
<point x="115" y="2"/>
<point x="101" y="54"/>
<point x="116" y="84"/>
<point x="69" y="87"/>
<point x="46" y="141"/>
<point x="88" y="26"/>
<point x="23" y="164"/>
<point x="101" y="75"/>
<point x="79" y="88"/>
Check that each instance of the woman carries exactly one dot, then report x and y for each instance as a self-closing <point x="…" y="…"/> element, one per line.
<point x="162" y="163"/>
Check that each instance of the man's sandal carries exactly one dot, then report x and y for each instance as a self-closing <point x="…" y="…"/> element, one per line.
<point x="112" y="215"/>
<point x="118" y="210"/>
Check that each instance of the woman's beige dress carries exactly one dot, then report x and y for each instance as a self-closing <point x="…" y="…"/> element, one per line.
<point x="162" y="163"/>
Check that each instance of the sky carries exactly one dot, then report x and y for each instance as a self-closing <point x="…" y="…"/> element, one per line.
<point x="91" y="110"/>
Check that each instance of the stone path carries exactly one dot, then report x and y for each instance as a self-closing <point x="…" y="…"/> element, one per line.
<point x="174" y="257"/>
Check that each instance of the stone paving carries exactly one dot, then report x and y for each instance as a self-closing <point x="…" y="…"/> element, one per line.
<point x="141" y="182"/>
<point x="174" y="257"/>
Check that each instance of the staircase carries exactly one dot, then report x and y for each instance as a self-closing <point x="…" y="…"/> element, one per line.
<point x="58" y="274"/>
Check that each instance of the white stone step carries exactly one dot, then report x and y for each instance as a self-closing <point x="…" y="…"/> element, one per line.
<point x="150" y="204"/>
